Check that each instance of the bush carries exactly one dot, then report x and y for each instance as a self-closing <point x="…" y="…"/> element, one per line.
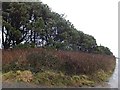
<point x="14" y="66"/>
<point x="40" y="61"/>
<point x="25" y="45"/>
<point x="84" y="63"/>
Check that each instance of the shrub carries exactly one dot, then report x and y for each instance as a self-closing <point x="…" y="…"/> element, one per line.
<point x="39" y="59"/>
<point x="42" y="61"/>
<point x="84" y="63"/>
<point x="14" y="66"/>
<point x="25" y="45"/>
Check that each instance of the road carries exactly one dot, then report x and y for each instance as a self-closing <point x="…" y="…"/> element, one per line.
<point x="113" y="81"/>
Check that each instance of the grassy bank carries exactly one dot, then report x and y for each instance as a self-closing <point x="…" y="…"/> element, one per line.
<point x="54" y="68"/>
<point x="55" y="79"/>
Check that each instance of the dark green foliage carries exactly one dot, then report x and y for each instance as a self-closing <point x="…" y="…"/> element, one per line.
<point x="33" y="22"/>
<point x="25" y="45"/>
<point x="102" y="50"/>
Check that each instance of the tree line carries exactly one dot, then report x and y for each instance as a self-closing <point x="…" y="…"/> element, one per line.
<point x="36" y="25"/>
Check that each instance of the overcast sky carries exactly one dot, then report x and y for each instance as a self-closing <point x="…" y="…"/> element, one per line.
<point x="98" y="18"/>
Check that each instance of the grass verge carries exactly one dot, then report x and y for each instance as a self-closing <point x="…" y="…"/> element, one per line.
<point x="56" y="79"/>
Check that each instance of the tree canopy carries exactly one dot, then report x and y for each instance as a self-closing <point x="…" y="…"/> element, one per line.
<point x="36" y="24"/>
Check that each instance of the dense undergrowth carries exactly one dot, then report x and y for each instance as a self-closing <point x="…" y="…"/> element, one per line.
<point x="56" y="68"/>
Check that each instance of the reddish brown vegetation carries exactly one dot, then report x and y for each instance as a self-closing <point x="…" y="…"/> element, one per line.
<point x="71" y="62"/>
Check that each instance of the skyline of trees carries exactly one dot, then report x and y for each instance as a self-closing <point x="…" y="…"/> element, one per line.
<point x="35" y="24"/>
